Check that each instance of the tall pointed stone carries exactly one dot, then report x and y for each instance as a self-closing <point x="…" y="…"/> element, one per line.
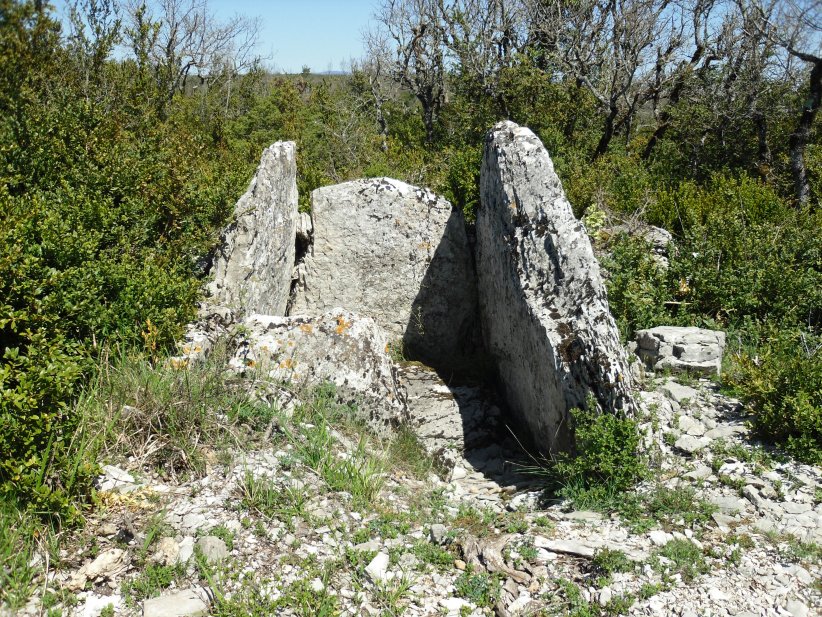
<point x="543" y="305"/>
<point x="253" y="269"/>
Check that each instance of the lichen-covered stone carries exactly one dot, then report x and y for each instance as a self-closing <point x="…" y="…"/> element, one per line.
<point x="338" y="346"/>
<point x="253" y="268"/>
<point x="680" y="349"/>
<point x="399" y="254"/>
<point x="545" y="314"/>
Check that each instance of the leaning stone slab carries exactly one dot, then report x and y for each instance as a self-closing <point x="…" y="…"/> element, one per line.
<point x="252" y="271"/>
<point x="545" y="314"/>
<point x="187" y="603"/>
<point x="681" y="349"/>
<point x="338" y="346"/>
<point x="399" y="254"/>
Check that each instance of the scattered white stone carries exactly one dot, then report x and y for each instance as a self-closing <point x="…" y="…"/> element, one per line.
<point x="317" y="586"/>
<point x="678" y="393"/>
<point x="166" y="552"/>
<point x="95" y="604"/>
<point x="659" y="537"/>
<point x="212" y="548"/>
<point x="568" y="547"/>
<point x="186" y="549"/>
<point x="377" y="570"/>
<point x="690" y="444"/>
<point x="797" y="608"/>
<point x="187" y="603"/>
<point x="439" y="533"/>
<point x="717" y="595"/>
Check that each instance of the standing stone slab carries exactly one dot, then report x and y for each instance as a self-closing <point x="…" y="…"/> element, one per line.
<point x="339" y="346"/>
<point x="681" y="349"/>
<point x="544" y="310"/>
<point x="252" y="271"/>
<point x="399" y="254"/>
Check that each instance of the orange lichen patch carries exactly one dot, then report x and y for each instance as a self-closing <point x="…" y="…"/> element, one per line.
<point x="288" y="363"/>
<point x="139" y="499"/>
<point x="424" y="245"/>
<point x="307" y="328"/>
<point x="178" y="363"/>
<point x="342" y="325"/>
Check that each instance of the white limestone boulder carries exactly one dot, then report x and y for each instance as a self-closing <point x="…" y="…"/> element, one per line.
<point x="399" y="254"/>
<point x="338" y="346"/>
<point x="678" y="349"/>
<point x="545" y="315"/>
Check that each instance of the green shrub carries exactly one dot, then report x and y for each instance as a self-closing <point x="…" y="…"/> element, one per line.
<point x="481" y="588"/>
<point x="637" y="286"/>
<point x="782" y="383"/>
<point x="606" y="460"/>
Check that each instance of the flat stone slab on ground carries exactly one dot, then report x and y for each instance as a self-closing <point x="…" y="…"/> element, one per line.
<point x="187" y="603"/>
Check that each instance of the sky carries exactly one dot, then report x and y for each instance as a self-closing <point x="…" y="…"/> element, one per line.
<point x="321" y="34"/>
<point x="324" y="35"/>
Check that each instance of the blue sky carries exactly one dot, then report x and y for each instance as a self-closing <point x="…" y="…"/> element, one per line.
<point x="317" y="33"/>
<point x="322" y="34"/>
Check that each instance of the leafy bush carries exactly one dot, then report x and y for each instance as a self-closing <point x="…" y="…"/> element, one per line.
<point x="481" y="588"/>
<point x="637" y="286"/>
<point x="782" y="383"/>
<point x="606" y="460"/>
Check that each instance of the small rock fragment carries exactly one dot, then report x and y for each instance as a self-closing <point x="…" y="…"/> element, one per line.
<point x="377" y="570"/>
<point x="213" y="549"/>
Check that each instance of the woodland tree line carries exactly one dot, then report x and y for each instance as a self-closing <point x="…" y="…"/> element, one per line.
<point x="128" y="132"/>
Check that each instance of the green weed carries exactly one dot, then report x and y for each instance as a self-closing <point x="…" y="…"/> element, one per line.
<point x="481" y="588"/>
<point x="683" y="557"/>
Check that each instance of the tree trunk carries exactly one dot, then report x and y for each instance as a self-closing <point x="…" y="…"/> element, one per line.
<point x="607" y="132"/>
<point x="801" y="135"/>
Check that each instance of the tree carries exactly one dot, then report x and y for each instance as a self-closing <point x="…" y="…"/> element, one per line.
<point x="796" y="26"/>
<point x="416" y="31"/>
<point x="29" y="40"/>
<point x="184" y="39"/>
<point x="483" y="38"/>
<point x="94" y="30"/>
<point x="613" y="48"/>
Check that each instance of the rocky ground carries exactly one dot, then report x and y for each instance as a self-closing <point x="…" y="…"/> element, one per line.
<point x="321" y="523"/>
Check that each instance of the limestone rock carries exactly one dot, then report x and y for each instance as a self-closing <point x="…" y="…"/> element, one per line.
<point x="681" y="349"/>
<point x="544" y="310"/>
<point x="448" y="420"/>
<point x="399" y="254"/>
<point x="252" y="271"/>
<point x="106" y="566"/>
<point x="567" y="547"/>
<point x="213" y="549"/>
<point x="340" y="347"/>
<point x="187" y="603"/>
<point x="377" y="570"/>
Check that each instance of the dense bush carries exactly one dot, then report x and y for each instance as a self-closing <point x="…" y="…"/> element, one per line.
<point x="782" y="380"/>
<point x="605" y="462"/>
